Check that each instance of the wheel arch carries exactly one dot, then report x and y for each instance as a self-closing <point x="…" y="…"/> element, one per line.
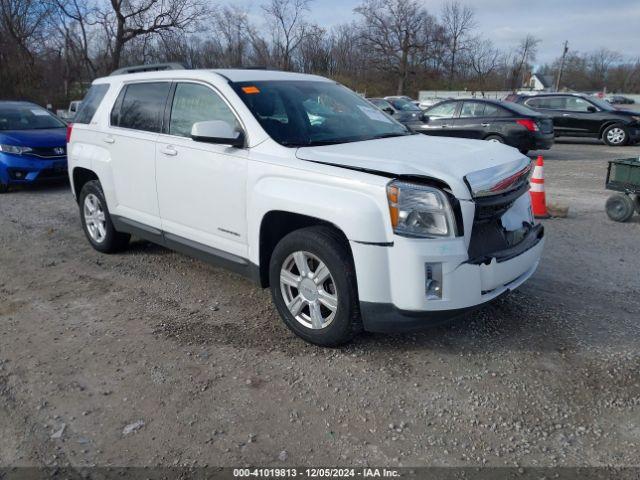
<point x="80" y="177"/>
<point x="275" y="225"/>
<point x="607" y="124"/>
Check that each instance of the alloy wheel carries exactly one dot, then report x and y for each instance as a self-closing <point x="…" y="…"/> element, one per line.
<point x="309" y="290"/>
<point x="95" y="218"/>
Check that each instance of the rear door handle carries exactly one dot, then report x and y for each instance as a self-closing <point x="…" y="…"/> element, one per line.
<point x="566" y="114"/>
<point x="109" y="139"/>
<point x="484" y="124"/>
<point x="169" y="151"/>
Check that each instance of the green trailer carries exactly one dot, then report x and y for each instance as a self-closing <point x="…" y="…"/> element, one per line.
<point x="623" y="176"/>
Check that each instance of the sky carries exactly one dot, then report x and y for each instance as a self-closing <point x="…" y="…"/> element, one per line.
<point x="586" y="24"/>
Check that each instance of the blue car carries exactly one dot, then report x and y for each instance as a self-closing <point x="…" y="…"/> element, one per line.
<point x="33" y="145"/>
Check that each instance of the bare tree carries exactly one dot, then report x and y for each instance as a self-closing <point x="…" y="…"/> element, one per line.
<point x="458" y="22"/>
<point x="392" y="32"/>
<point x="289" y="27"/>
<point x="484" y="60"/>
<point x="525" y="53"/>
<point x="130" y="19"/>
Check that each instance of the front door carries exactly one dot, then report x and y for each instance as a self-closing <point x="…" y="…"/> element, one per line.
<point x="201" y="186"/>
<point x="440" y="119"/>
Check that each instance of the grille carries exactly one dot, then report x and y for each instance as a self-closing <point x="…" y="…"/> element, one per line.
<point x="488" y="236"/>
<point x="47" y="152"/>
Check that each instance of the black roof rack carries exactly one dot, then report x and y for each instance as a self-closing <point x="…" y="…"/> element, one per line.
<point x="151" y="67"/>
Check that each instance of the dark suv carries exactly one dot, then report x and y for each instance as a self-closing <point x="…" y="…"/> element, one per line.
<point x="577" y="115"/>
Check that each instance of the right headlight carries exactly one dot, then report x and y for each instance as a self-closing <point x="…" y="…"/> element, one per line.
<point x="419" y="210"/>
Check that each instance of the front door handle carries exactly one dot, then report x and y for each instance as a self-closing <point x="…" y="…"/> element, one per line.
<point x="566" y="114"/>
<point x="169" y="151"/>
<point x="484" y="124"/>
<point x="109" y="139"/>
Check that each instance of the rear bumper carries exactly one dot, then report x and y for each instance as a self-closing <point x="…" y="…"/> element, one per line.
<point x="536" y="141"/>
<point x="19" y="169"/>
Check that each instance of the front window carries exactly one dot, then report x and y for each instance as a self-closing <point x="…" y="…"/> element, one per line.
<point x="27" y="117"/>
<point x="194" y="103"/>
<point x="307" y="113"/>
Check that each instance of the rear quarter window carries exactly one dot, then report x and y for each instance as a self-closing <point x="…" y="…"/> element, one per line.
<point x="90" y="104"/>
<point x="140" y="106"/>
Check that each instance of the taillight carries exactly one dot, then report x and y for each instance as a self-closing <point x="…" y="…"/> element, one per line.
<point x="69" y="129"/>
<point x="529" y="124"/>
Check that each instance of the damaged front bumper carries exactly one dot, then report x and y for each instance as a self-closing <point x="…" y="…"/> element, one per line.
<point x="473" y="269"/>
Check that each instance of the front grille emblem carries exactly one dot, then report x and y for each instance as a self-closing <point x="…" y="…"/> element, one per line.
<point x="58" y="150"/>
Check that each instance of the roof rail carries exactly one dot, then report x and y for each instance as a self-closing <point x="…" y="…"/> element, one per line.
<point x="151" y="67"/>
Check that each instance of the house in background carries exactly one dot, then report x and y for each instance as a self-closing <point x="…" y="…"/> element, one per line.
<point x="539" y="83"/>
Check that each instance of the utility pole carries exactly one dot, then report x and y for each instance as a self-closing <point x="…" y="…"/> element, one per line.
<point x="564" y="55"/>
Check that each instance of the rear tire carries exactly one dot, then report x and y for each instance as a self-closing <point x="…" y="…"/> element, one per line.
<point x="494" y="138"/>
<point x="620" y="207"/>
<point x="313" y="284"/>
<point x="96" y="220"/>
<point x="615" y="135"/>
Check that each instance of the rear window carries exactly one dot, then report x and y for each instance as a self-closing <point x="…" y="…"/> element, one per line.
<point x="140" y="106"/>
<point x="550" y="103"/>
<point x="90" y="104"/>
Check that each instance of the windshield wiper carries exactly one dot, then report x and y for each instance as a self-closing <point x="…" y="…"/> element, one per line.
<point x="391" y="135"/>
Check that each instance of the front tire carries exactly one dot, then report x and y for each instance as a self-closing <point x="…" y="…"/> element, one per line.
<point x="96" y="220"/>
<point x="313" y="284"/>
<point x="4" y="188"/>
<point x="615" y="135"/>
<point x="620" y="207"/>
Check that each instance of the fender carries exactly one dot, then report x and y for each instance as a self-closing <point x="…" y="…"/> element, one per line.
<point x="358" y="210"/>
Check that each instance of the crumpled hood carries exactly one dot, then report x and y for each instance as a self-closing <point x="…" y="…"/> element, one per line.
<point x="45" y="137"/>
<point x="446" y="159"/>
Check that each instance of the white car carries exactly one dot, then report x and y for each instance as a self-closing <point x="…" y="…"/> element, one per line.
<point x="297" y="182"/>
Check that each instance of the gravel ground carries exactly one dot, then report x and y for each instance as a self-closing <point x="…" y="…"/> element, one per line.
<point x="152" y="358"/>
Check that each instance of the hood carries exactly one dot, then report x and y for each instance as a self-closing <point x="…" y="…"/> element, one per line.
<point x="45" y="137"/>
<point x="625" y="112"/>
<point x="447" y="159"/>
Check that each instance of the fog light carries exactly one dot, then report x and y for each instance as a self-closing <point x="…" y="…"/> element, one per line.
<point x="433" y="281"/>
<point x="19" y="175"/>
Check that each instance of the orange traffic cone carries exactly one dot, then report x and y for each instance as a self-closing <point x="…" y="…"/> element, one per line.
<point x="536" y="189"/>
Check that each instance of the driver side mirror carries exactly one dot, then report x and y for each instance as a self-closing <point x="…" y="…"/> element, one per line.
<point x="218" y="132"/>
<point x="592" y="109"/>
<point x="425" y="118"/>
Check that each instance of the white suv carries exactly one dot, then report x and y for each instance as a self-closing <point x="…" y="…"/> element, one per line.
<point x="297" y="182"/>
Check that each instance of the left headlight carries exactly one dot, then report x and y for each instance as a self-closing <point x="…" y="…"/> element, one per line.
<point x="419" y="210"/>
<point x="15" y="149"/>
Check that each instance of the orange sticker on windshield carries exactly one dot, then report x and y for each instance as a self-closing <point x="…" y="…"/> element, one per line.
<point x="250" y="90"/>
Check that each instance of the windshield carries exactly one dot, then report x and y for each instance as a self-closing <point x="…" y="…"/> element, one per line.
<point x="601" y="104"/>
<point x="404" y="105"/>
<point x="27" y="117"/>
<point x="306" y="113"/>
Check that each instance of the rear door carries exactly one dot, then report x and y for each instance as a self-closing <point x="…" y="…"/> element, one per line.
<point x="201" y="186"/>
<point x="135" y="122"/>
<point x="441" y="119"/>
<point x="555" y="107"/>
<point x="472" y="121"/>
